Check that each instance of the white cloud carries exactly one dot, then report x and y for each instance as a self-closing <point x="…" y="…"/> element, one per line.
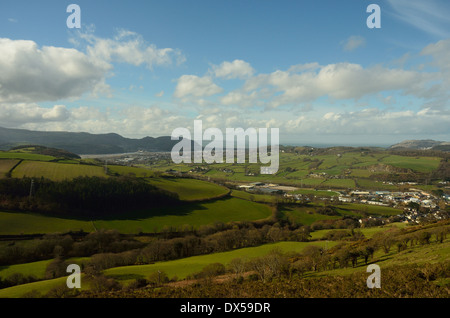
<point x="304" y="67"/>
<point x="32" y="74"/>
<point x="192" y="85"/>
<point x="241" y="99"/>
<point x="338" y="81"/>
<point x="353" y="42"/>
<point x="440" y="91"/>
<point x="235" y="69"/>
<point x="128" y="47"/>
<point x="22" y="113"/>
<point x="133" y="121"/>
<point x="440" y="53"/>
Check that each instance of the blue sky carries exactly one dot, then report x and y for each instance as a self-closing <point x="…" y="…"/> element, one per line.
<point x="313" y="69"/>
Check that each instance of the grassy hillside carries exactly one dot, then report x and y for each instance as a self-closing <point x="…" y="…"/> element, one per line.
<point x="190" y="215"/>
<point x="25" y="156"/>
<point x="125" y="170"/>
<point x="56" y="171"/>
<point x="264" y="198"/>
<point x="348" y="169"/>
<point x="183" y="267"/>
<point x="180" y="268"/>
<point x="42" y="287"/>
<point x="189" y="189"/>
<point x="305" y="215"/>
<point x="420" y="164"/>
<point x="16" y="223"/>
<point x="6" y="165"/>
<point x="36" y="269"/>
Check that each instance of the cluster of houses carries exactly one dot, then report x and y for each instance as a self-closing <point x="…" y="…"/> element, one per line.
<point x="261" y="187"/>
<point x="130" y="159"/>
<point x="411" y="212"/>
<point x="388" y="198"/>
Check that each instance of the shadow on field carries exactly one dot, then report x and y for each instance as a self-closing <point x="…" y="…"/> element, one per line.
<point x="3" y="267"/>
<point x="181" y="209"/>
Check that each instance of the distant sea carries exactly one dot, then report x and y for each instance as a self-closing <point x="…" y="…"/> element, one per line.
<point x="317" y="145"/>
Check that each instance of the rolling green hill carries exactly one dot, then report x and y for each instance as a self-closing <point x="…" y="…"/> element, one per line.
<point x="16" y="223"/>
<point x="206" y="204"/>
<point x="56" y="171"/>
<point x="6" y="165"/>
<point x="188" y="215"/>
<point x="190" y="189"/>
<point x="191" y="214"/>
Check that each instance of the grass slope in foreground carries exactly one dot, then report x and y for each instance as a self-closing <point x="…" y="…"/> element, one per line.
<point x="180" y="268"/>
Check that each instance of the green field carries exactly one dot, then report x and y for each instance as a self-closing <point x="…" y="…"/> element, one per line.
<point x="374" y="185"/>
<point x="339" y="183"/>
<point x="183" y="267"/>
<point x="14" y="223"/>
<point x="24" y="156"/>
<point x="420" y="164"/>
<point x="56" y="171"/>
<point x="189" y="189"/>
<point x="41" y="286"/>
<point x="190" y="215"/>
<point x="263" y="198"/>
<point x="6" y="165"/>
<point x="368" y="232"/>
<point x="295" y="169"/>
<point x="317" y="193"/>
<point x="361" y="173"/>
<point x="134" y="171"/>
<point x="305" y="215"/>
<point x="370" y="209"/>
<point x="36" y="269"/>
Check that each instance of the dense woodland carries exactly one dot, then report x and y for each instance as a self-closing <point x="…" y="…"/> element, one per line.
<point x="83" y="196"/>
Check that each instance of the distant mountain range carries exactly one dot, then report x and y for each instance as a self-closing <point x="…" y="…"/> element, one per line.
<point x="86" y="143"/>
<point x="83" y="143"/>
<point x="422" y="145"/>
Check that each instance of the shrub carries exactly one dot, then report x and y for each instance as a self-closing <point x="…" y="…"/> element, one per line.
<point x="157" y="278"/>
<point x="211" y="270"/>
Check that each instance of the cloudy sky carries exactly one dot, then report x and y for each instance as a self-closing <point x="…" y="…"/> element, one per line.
<point x="313" y="69"/>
